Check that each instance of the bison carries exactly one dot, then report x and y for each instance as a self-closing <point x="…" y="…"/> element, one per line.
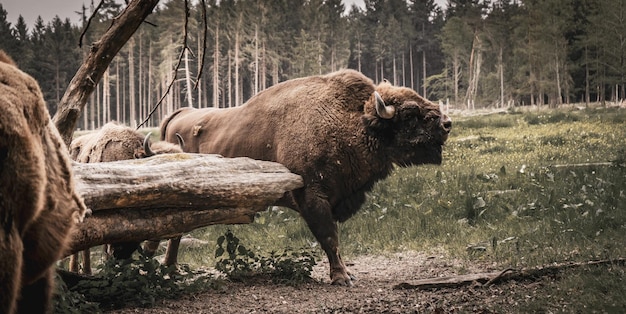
<point x="115" y="142"/>
<point x="340" y="132"/>
<point x="38" y="203"/>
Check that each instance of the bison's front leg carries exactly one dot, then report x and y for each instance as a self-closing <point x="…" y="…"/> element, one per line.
<point x="317" y="213"/>
<point x="36" y="297"/>
<point x="11" y="249"/>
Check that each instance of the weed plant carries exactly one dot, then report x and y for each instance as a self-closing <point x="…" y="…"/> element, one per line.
<point x="139" y="282"/>
<point x="291" y="267"/>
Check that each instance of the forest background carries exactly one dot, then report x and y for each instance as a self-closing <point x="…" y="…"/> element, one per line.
<point x="472" y="54"/>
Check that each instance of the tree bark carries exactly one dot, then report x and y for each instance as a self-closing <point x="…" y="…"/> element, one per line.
<point x="166" y="195"/>
<point x="99" y="58"/>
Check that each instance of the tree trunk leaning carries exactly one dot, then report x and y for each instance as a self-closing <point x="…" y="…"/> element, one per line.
<point x="166" y="195"/>
<point x="89" y="74"/>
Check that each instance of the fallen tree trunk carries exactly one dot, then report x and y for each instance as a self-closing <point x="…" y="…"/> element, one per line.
<point x="165" y="195"/>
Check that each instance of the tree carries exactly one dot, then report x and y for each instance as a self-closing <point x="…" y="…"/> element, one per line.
<point x="23" y="47"/>
<point x="498" y="29"/>
<point x="426" y="19"/>
<point x="605" y="43"/>
<point x="7" y="40"/>
<point x="336" y="36"/>
<point x="471" y="12"/>
<point x="55" y="58"/>
<point x="456" y="41"/>
<point x="356" y="27"/>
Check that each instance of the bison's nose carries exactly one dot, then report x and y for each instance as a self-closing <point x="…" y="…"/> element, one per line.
<point x="446" y="123"/>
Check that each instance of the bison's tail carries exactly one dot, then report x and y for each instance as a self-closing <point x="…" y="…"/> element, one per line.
<point x="166" y="122"/>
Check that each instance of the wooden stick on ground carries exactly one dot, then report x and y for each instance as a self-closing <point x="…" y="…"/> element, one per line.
<point x="486" y="279"/>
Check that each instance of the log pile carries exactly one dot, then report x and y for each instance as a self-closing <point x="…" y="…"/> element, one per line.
<point x="166" y="195"/>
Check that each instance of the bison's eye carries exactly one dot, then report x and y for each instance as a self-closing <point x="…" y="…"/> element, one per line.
<point x="431" y="115"/>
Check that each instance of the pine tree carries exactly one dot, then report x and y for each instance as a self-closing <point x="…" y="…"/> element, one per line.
<point x="23" y="46"/>
<point x="8" y="42"/>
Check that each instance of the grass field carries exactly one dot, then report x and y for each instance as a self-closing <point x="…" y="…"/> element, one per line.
<point x="516" y="189"/>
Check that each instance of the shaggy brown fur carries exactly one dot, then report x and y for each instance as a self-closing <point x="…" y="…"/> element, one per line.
<point x="38" y="204"/>
<point x="329" y="129"/>
<point x="115" y="142"/>
<point x="111" y="143"/>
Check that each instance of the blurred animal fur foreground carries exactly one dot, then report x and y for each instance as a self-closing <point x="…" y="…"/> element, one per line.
<point x="38" y="203"/>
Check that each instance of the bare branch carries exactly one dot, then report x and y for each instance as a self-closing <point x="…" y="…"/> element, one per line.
<point x="93" y="14"/>
<point x="204" y="32"/>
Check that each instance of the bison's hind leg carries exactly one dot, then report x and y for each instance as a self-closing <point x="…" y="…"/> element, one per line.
<point x="37" y="296"/>
<point x="11" y="248"/>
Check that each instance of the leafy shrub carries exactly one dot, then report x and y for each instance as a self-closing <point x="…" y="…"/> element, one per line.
<point x="238" y="263"/>
<point x="133" y="282"/>
<point x="71" y="302"/>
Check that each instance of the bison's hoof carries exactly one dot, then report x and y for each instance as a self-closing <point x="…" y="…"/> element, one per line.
<point x="344" y="280"/>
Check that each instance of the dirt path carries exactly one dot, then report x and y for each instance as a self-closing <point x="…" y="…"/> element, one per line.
<point x="372" y="293"/>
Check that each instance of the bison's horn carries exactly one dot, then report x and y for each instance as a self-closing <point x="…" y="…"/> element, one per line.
<point x="146" y="146"/>
<point x="181" y="142"/>
<point x="383" y="111"/>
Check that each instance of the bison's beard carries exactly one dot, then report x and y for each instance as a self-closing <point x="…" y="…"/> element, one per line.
<point x="423" y="154"/>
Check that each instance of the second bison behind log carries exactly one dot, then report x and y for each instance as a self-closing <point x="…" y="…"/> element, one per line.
<point x="114" y="142"/>
<point x="38" y="203"/>
<point x="340" y="132"/>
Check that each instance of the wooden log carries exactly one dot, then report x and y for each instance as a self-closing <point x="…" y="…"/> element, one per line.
<point x="165" y="195"/>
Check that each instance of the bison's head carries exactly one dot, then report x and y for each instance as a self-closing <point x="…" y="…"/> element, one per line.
<point x="412" y="129"/>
